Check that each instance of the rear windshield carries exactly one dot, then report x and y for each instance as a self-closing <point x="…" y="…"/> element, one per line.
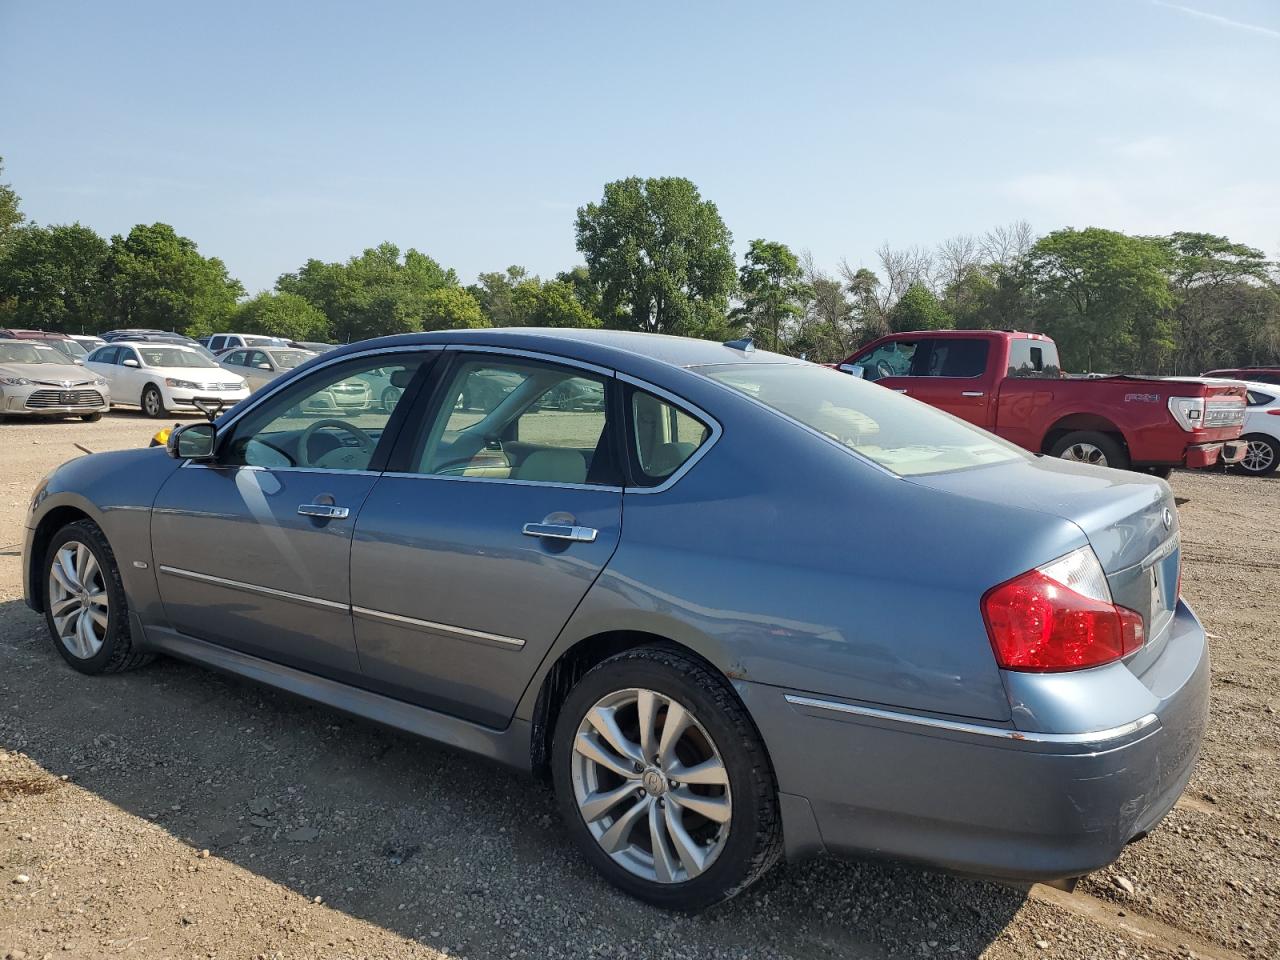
<point x="903" y="435"/>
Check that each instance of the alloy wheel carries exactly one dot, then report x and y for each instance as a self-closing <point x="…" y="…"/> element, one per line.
<point x="78" y="601"/>
<point x="1085" y="453"/>
<point x="1258" y="456"/>
<point x="152" y="403"/>
<point x="651" y="786"/>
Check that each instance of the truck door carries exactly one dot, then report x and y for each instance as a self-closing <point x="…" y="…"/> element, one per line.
<point x="945" y="372"/>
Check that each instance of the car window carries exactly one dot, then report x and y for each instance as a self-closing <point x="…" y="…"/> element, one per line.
<point x="235" y="358"/>
<point x="329" y="420"/>
<point x="516" y="420"/>
<point x="904" y="436"/>
<point x="663" y="437"/>
<point x="1257" y="398"/>
<point x="947" y="357"/>
<point x="891" y="359"/>
<point x="104" y="355"/>
<point x="257" y="357"/>
<point x="123" y="354"/>
<point x="1034" y="359"/>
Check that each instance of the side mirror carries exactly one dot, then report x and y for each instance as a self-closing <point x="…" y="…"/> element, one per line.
<point x="853" y="369"/>
<point x="264" y="366"/>
<point x="194" y="441"/>
<point x="131" y="363"/>
<point x="77" y="361"/>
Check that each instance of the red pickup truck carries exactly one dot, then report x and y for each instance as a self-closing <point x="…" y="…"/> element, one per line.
<point x="1011" y="384"/>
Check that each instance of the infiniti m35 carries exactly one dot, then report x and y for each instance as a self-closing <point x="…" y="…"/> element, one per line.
<point x="733" y="605"/>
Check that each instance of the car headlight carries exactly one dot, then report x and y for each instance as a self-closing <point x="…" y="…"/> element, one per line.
<point x="181" y="384"/>
<point x="14" y="381"/>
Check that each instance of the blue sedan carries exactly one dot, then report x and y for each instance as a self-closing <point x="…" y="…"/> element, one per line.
<point x="731" y="604"/>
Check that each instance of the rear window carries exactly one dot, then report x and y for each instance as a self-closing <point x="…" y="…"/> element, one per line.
<point x="1035" y="359"/>
<point x="902" y="435"/>
<point x="1257" y="398"/>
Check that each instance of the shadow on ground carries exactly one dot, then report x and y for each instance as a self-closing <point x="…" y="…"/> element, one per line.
<point x="414" y="837"/>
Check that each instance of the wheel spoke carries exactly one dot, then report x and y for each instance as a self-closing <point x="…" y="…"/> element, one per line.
<point x="664" y="862"/>
<point x="709" y="773"/>
<point x="647" y="712"/>
<point x="62" y="571"/>
<point x="88" y="569"/>
<point x="63" y="608"/>
<point x="673" y="728"/>
<point x="589" y="748"/>
<point x="98" y="616"/>
<point x="606" y="724"/>
<point x="84" y="635"/>
<point x="618" y="836"/>
<point x="692" y="856"/>
<point x="597" y="804"/>
<point x="62" y="622"/>
<point x="713" y="808"/>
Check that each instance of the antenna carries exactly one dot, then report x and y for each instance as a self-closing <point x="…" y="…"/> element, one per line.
<point x="746" y="345"/>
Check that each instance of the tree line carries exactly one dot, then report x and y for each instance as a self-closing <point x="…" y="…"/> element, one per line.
<point x="657" y="257"/>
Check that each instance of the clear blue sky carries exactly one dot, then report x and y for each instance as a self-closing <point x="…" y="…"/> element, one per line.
<point x="274" y="132"/>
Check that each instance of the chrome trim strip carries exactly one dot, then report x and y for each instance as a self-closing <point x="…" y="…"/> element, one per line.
<point x="693" y="410"/>
<point x="207" y="465"/>
<point x="461" y="632"/>
<point x="1002" y="733"/>
<point x="603" y="488"/>
<point x="252" y="588"/>
<point x="532" y="355"/>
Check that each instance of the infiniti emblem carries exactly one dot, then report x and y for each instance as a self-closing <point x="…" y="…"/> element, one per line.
<point x="1168" y="518"/>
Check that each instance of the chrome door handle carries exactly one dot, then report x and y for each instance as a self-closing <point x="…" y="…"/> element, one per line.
<point x="561" y="531"/>
<point x="972" y="393"/>
<point x="326" y="510"/>
<point x="899" y="389"/>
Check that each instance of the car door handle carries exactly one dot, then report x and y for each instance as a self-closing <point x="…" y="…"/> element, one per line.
<point x="326" y="510"/>
<point x="561" y="531"/>
<point x="899" y="389"/>
<point x="972" y="393"/>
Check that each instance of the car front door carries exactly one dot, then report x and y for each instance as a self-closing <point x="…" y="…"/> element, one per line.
<point x="943" y="372"/>
<point x="259" y="370"/>
<point x="495" y="517"/>
<point x="252" y="549"/>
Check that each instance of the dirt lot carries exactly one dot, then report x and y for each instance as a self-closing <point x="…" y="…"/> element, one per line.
<point x="172" y="812"/>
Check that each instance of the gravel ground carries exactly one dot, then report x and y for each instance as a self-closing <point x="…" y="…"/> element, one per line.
<point x="173" y="812"/>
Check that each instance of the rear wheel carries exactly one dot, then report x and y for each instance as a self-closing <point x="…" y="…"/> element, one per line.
<point x="663" y="781"/>
<point x="1261" y="456"/>
<point x="152" y="401"/>
<point x="1089" y="446"/>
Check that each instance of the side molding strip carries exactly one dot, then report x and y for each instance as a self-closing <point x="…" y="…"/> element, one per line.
<point x="462" y="633"/>
<point x="251" y="588"/>
<point x="1002" y="733"/>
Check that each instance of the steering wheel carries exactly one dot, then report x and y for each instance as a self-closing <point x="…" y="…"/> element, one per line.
<point x="365" y="441"/>
<point x="883" y="368"/>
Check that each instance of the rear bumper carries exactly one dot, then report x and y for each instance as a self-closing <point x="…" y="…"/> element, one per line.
<point x="980" y="799"/>
<point x="1207" y="454"/>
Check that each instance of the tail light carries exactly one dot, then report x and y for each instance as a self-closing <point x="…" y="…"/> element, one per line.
<point x="1060" y="617"/>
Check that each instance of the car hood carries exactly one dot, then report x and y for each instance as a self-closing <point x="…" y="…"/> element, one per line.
<point x="1126" y="516"/>
<point x="54" y="373"/>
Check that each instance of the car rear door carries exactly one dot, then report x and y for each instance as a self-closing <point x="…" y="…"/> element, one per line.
<point x="499" y="511"/>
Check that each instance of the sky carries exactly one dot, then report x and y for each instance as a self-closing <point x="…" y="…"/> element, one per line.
<point x="271" y="133"/>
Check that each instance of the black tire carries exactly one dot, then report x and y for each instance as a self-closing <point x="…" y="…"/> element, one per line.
<point x="390" y="397"/>
<point x="91" y="417"/>
<point x="1162" y="472"/>
<point x="754" y="839"/>
<point x="117" y="652"/>
<point x="1260" y="447"/>
<point x="153" y="401"/>
<point x="1112" y="451"/>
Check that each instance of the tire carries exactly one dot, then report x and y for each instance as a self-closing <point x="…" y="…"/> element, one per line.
<point x="1089" y="446"/>
<point x="1164" y="473"/>
<point x="390" y="397"/>
<point x="91" y="417"/>
<point x="1262" y="456"/>
<point x="94" y="644"/>
<point x="152" y="401"/>
<point x="721" y="857"/>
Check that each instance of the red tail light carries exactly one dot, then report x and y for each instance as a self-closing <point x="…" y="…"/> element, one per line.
<point x="1059" y="617"/>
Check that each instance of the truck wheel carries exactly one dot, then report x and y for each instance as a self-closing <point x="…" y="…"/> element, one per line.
<point x="1089" y="446"/>
<point x="1261" y="456"/>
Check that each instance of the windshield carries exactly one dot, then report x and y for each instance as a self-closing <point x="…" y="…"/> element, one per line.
<point x="902" y="435"/>
<point x="14" y="351"/>
<point x="288" y="359"/>
<point x="172" y="357"/>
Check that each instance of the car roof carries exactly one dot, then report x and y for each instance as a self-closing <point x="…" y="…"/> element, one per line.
<point x="603" y="347"/>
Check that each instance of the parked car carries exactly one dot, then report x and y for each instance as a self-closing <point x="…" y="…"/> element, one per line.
<point x="834" y="620"/>
<point x="220" y="343"/>
<point x="1011" y="383"/>
<point x="314" y="346"/>
<point x="160" y="377"/>
<point x="1261" y="430"/>
<point x="37" y="380"/>
<point x="127" y="333"/>
<point x="67" y="346"/>
<point x="88" y="341"/>
<point x="1270" y="375"/>
<point x="261" y="365"/>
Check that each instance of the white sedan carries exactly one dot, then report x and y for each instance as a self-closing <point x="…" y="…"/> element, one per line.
<point x="160" y="377"/>
<point x="1261" y="430"/>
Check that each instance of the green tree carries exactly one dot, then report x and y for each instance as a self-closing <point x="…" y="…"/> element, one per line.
<point x="10" y="216"/>
<point x="52" y="278"/>
<point x="773" y="292"/>
<point x="281" y="315"/>
<point x="1104" y="297"/>
<point x="550" y="304"/>
<point x="660" y="255"/>
<point x="919" y="309"/>
<point x="494" y="292"/>
<point x="451" y="308"/>
<point x="156" y="278"/>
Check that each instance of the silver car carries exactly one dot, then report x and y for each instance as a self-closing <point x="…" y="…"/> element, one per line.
<point x="737" y="606"/>
<point x="260" y="365"/>
<point x="38" y="380"/>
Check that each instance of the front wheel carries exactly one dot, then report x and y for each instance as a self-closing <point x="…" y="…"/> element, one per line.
<point x="152" y="401"/>
<point x="1261" y="456"/>
<point x="663" y="781"/>
<point x="1089" y="446"/>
